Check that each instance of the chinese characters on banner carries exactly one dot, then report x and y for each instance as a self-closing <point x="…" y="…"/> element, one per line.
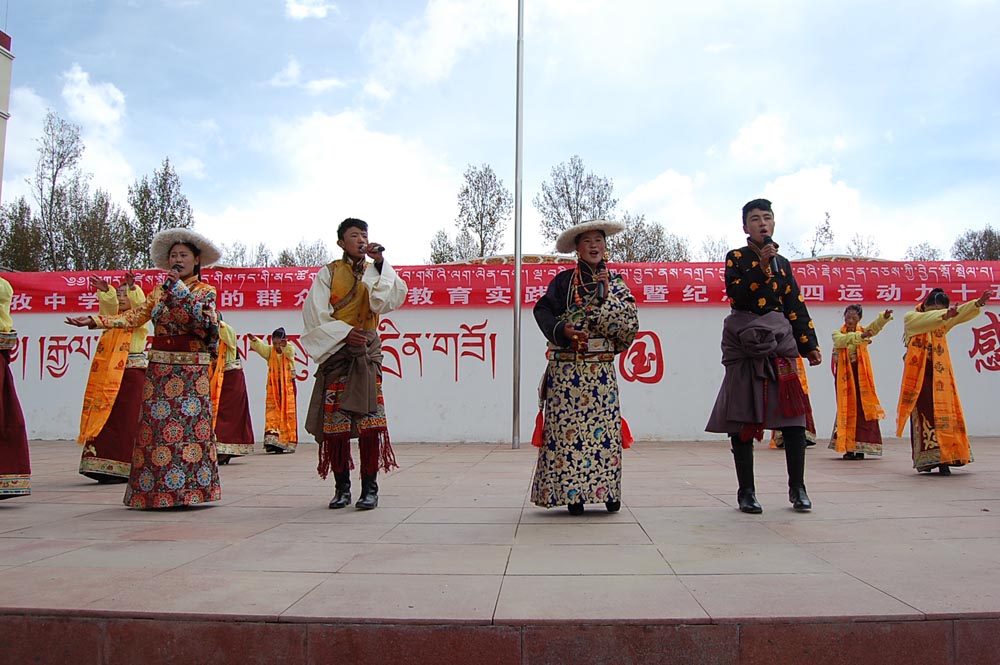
<point x="888" y="284"/>
<point x="652" y="284"/>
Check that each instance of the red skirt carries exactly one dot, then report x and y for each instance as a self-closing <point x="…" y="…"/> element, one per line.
<point x="233" y="428"/>
<point x="15" y="464"/>
<point x="108" y="457"/>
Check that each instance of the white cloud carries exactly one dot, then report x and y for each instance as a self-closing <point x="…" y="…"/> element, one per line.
<point x="426" y="49"/>
<point x="303" y="9"/>
<point x="288" y="76"/>
<point x="317" y="86"/>
<point x="99" y="109"/>
<point x="718" y="48"/>
<point x="27" y="118"/>
<point x="377" y="90"/>
<point x="336" y="167"/>
<point x="668" y="199"/>
<point x="291" y="76"/>
<point x="762" y="144"/>
<point x="191" y="167"/>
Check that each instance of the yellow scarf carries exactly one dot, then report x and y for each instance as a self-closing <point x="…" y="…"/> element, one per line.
<point x="106" y="371"/>
<point x="847" y="407"/>
<point x="218" y="373"/>
<point x="349" y="297"/>
<point x="280" y="414"/>
<point x="949" y="421"/>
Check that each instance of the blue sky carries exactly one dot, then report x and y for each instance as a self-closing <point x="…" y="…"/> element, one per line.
<point x="285" y="116"/>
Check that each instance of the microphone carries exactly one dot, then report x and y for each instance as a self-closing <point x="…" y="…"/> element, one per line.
<point x="375" y="248"/>
<point x="774" y="259"/>
<point x="602" y="288"/>
<point x="168" y="281"/>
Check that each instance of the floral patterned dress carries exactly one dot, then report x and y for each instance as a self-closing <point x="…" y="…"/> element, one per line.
<point x="174" y="461"/>
<point x="580" y="459"/>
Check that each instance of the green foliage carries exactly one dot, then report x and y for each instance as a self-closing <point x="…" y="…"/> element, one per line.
<point x="983" y="245"/>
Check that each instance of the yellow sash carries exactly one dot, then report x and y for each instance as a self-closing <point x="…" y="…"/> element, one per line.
<point x="218" y="373"/>
<point x="349" y="297"/>
<point x="280" y="414"/>
<point x="105" y="379"/>
<point x="949" y="421"/>
<point x="847" y="407"/>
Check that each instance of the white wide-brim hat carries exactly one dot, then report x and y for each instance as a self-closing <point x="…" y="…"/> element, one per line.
<point x="566" y="242"/>
<point x="159" y="251"/>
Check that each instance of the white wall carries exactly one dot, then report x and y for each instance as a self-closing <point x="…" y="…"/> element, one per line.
<point x="478" y="406"/>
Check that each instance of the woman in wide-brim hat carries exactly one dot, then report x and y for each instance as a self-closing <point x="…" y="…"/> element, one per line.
<point x="174" y="460"/>
<point x="588" y="316"/>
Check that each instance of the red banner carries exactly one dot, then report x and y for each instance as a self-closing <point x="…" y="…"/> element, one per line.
<point x="478" y="286"/>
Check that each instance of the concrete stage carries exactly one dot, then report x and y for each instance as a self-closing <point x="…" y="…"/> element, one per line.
<point x="456" y="566"/>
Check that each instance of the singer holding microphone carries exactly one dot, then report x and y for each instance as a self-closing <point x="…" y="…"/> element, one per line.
<point x="340" y="333"/>
<point x="174" y="459"/>
<point x="588" y="316"/>
<point x="766" y="331"/>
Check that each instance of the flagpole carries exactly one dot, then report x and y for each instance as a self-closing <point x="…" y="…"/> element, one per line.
<point x="516" y="434"/>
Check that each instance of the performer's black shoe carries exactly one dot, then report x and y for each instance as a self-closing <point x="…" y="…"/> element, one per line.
<point x="849" y="455"/>
<point x="369" y="494"/>
<point x="342" y="499"/>
<point x="613" y="506"/>
<point x="575" y="508"/>
<point x="944" y="469"/>
<point x="800" y="500"/>
<point x="748" y="502"/>
<point x="224" y="459"/>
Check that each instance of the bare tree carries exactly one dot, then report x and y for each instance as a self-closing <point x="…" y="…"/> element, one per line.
<point x="573" y="196"/>
<point x="238" y="255"/>
<point x="981" y="245"/>
<point x="158" y="204"/>
<point x="713" y="249"/>
<point x="822" y="237"/>
<point x="863" y="247"/>
<point x="304" y="254"/>
<point x="646" y="242"/>
<point x="59" y="151"/>
<point x="443" y="250"/>
<point x="923" y="252"/>
<point x="484" y="205"/>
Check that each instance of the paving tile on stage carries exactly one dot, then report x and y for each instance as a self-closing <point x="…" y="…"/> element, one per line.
<point x="389" y="596"/>
<point x="608" y="598"/>
<point x="202" y="592"/>
<point x="587" y="560"/>
<point x="793" y="596"/>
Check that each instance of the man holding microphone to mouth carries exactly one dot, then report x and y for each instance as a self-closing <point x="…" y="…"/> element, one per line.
<point x="768" y="328"/>
<point x="340" y="323"/>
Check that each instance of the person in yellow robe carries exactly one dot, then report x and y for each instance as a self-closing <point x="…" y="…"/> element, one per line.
<point x="230" y="404"/>
<point x="15" y="464"/>
<point x="281" y="424"/>
<point x="928" y="396"/>
<point x="340" y="333"/>
<point x="109" y="421"/>
<point x="855" y="428"/>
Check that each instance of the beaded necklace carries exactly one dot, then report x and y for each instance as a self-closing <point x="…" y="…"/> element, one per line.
<point x="578" y="286"/>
